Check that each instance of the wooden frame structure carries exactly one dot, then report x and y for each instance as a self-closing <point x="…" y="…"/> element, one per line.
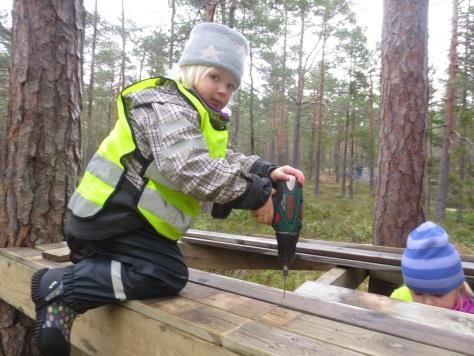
<point x="216" y="315"/>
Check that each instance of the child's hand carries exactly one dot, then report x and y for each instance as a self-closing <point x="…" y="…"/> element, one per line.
<point x="283" y="173"/>
<point x="264" y="214"/>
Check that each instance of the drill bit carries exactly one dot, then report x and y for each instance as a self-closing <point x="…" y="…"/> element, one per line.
<point x="284" y="272"/>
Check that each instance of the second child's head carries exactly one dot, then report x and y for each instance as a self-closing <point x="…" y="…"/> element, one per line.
<point x="431" y="267"/>
<point x="213" y="62"/>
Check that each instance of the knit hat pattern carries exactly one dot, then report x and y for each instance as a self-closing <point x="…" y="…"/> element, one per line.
<point x="430" y="264"/>
<point x="216" y="45"/>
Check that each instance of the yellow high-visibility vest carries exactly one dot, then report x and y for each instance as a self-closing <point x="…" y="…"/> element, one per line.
<point x="402" y="293"/>
<point x="167" y="209"/>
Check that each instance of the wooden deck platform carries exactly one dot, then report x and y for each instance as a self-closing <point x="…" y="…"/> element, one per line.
<point x="216" y="315"/>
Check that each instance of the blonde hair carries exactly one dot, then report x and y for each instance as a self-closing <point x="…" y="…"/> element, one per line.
<point x="192" y="74"/>
<point x="466" y="290"/>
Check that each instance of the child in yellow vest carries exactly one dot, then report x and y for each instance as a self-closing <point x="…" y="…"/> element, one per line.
<point x="432" y="271"/>
<point x="141" y="190"/>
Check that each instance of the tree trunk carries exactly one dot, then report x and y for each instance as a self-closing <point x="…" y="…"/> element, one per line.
<point x="90" y="142"/>
<point x="319" y="119"/>
<point x="404" y="101"/>
<point x="282" y="132"/>
<point x="351" y="156"/>
<point x="371" y="136"/>
<point x="443" y="179"/>
<point x="337" y="153"/>
<point x="233" y="7"/>
<point x="211" y="6"/>
<point x="299" y="95"/>
<point x="344" y="153"/>
<point x="234" y="137"/>
<point x="251" y="109"/>
<point x="272" y="156"/>
<point x="124" y="41"/>
<point x="42" y="146"/>
<point x="172" y="39"/>
<point x="464" y="117"/>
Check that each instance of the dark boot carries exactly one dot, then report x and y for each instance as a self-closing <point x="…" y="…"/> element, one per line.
<point x="53" y="317"/>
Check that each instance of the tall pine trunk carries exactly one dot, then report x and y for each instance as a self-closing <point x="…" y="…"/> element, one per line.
<point x="319" y="118"/>
<point x="443" y="179"/>
<point x="299" y="95"/>
<point x="90" y="142"/>
<point x="123" y="36"/>
<point x="371" y="136"/>
<point x="281" y="141"/>
<point x="172" y="35"/>
<point x="404" y="101"/>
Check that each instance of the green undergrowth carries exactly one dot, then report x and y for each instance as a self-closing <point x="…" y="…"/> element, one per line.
<point x="331" y="217"/>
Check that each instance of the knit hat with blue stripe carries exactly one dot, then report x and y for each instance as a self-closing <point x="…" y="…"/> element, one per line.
<point x="430" y="264"/>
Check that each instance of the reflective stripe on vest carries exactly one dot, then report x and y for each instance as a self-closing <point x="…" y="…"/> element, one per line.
<point x="168" y="210"/>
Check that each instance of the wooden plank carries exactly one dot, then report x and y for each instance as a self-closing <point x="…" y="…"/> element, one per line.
<point x="306" y="248"/>
<point x="113" y="330"/>
<point x="387" y="276"/>
<point x="318" y="259"/>
<point x="60" y="254"/>
<point x="240" y="305"/>
<point x="258" y="339"/>
<point x="15" y="285"/>
<point x="29" y="257"/>
<point x="218" y="259"/>
<point x="369" y="247"/>
<point x="51" y="246"/>
<point x="423" y="314"/>
<point x="188" y="316"/>
<point x="446" y="329"/>
<point x="354" y="338"/>
<point x="358" y="339"/>
<point x="341" y="252"/>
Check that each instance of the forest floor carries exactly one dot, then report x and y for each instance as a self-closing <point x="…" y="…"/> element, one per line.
<point x="332" y="217"/>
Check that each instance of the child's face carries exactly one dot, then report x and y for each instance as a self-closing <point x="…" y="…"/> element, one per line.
<point x="447" y="300"/>
<point x="216" y="87"/>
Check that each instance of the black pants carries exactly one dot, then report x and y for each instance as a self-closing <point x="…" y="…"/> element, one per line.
<point x="136" y="265"/>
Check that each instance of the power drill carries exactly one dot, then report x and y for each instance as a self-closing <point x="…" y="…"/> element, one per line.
<point x="288" y="205"/>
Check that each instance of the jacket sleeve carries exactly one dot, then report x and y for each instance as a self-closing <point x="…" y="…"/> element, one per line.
<point x="169" y="133"/>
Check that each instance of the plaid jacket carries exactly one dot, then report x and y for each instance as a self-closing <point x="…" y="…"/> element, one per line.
<point x="162" y="120"/>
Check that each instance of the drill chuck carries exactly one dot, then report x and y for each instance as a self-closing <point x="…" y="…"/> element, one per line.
<point x="286" y="243"/>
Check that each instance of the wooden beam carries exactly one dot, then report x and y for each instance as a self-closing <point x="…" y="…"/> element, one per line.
<point x="344" y="277"/>
<point x="248" y="247"/>
<point x="220" y="259"/>
<point x="371" y="258"/>
<point x="337" y="276"/>
<point x="60" y="254"/>
<point x="387" y="276"/>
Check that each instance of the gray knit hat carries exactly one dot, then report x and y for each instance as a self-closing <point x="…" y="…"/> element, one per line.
<point x="216" y="45"/>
